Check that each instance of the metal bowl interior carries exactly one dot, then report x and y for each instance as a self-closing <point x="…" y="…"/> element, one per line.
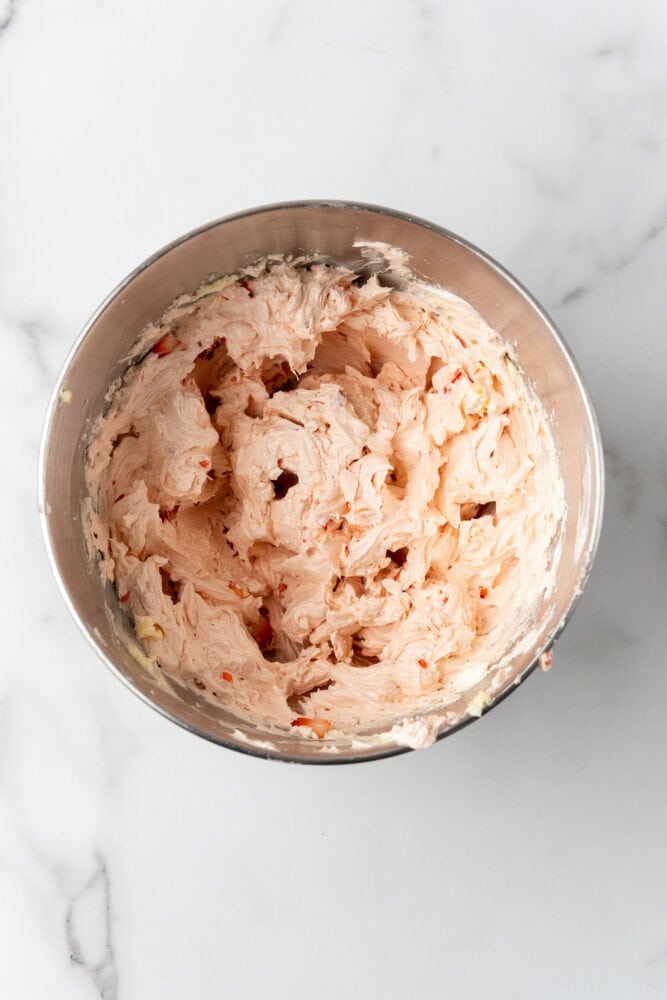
<point x="330" y="228"/>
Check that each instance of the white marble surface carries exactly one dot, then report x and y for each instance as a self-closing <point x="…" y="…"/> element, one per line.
<point x="527" y="856"/>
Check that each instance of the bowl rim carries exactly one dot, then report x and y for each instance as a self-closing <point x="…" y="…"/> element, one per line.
<point x="597" y="512"/>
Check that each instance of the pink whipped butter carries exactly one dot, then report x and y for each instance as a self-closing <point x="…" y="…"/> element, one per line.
<point x="326" y="505"/>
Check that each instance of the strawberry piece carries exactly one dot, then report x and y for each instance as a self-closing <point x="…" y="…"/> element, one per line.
<point x="483" y="591"/>
<point x="423" y="664"/>
<point x="226" y="676"/>
<point x="262" y="634"/>
<point x="166" y="345"/>
<point x="319" y="726"/>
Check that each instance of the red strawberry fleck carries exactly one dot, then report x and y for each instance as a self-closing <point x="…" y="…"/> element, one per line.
<point x="263" y="633"/>
<point x="282" y="587"/>
<point x="458" y="374"/>
<point x="166" y="345"/>
<point x="125" y="597"/>
<point x="546" y="660"/>
<point x="226" y="676"/>
<point x="423" y="664"/>
<point x="209" y="351"/>
<point x="204" y="463"/>
<point x="319" y="726"/>
<point x="483" y="591"/>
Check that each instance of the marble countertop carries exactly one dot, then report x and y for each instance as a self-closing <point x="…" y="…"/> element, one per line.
<point x="526" y="857"/>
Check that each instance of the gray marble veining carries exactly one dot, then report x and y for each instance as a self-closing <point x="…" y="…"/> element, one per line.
<point x="88" y="931"/>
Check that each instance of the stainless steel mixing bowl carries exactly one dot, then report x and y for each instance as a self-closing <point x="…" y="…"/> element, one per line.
<point x="331" y="228"/>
